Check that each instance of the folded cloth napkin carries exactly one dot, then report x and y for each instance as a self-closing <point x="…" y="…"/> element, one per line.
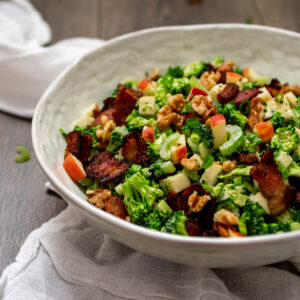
<point x="24" y="63"/>
<point x="68" y="259"/>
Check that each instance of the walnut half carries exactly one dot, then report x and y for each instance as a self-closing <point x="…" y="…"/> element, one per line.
<point x="204" y="106"/>
<point x="225" y="217"/>
<point x="167" y="116"/>
<point x="196" y="202"/>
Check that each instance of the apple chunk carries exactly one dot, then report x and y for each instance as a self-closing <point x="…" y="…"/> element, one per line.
<point x="179" y="150"/>
<point x="74" y="168"/>
<point x="146" y="87"/>
<point x="194" y="92"/>
<point x="232" y="77"/>
<point x="218" y="127"/>
<point x="250" y="74"/>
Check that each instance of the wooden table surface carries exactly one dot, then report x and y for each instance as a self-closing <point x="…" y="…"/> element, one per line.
<point x="25" y="203"/>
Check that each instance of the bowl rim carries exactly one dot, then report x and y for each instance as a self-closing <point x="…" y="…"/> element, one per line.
<point x="120" y="223"/>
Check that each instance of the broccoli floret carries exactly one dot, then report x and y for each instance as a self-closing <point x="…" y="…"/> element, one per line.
<point x="233" y="116"/>
<point x="134" y="120"/>
<point x="157" y="217"/>
<point x="139" y="196"/>
<point x="188" y="108"/>
<point x="156" y="168"/>
<point x="230" y="206"/>
<point x="295" y="213"/>
<point x="116" y="139"/>
<point x="154" y="148"/>
<point x="293" y="170"/>
<point x="196" y="69"/>
<point x="193" y="125"/>
<point x="250" y="143"/>
<point x="252" y="221"/>
<point x="217" y="61"/>
<point x="160" y="93"/>
<point x="235" y="193"/>
<point x="132" y="170"/>
<point x="285" y="139"/>
<point x="176" y="72"/>
<point x="277" y="120"/>
<point x="176" y="223"/>
<point x="180" y="86"/>
<point x="91" y="132"/>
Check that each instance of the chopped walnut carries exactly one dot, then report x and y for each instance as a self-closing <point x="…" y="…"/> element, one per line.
<point x="225" y="217"/>
<point x="98" y="197"/>
<point x="256" y="112"/>
<point x="204" y="106"/>
<point x="189" y="164"/>
<point x="196" y="202"/>
<point x="292" y="88"/>
<point x="210" y="79"/>
<point x="177" y="102"/>
<point x="166" y="116"/>
<point x="225" y="67"/>
<point x="229" y="165"/>
<point x="103" y="134"/>
<point x="155" y="74"/>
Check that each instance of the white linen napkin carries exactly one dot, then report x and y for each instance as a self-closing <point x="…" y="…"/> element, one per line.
<point x="68" y="259"/>
<point x="24" y="63"/>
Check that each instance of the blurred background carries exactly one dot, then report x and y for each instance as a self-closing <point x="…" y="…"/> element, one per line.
<point x="109" y="18"/>
<point x="24" y="203"/>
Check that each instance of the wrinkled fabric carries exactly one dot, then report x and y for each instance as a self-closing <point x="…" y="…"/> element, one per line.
<point x="28" y="68"/>
<point x="68" y="259"/>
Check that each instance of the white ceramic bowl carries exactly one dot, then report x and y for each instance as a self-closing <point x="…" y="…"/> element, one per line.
<point x="271" y="51"/>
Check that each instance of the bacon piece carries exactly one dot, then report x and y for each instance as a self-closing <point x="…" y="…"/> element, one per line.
<point x="115" y="206"/>
<point x="244" y="96"/>
<point x="108" y="103"/>
<point x="274" y="87"/>
<point x="105" y="168"/>
<point x="272" y="185"/>
<point x="134" y="149"/>
<point x="85" y="147"/>
<point x="256" y="112"/>
<point x="73" y="144"/>
<point x="229" y="92"/>
<point x="248" y="159"/>
<point x="125" y="102"/>
<point x="79" y="145"/>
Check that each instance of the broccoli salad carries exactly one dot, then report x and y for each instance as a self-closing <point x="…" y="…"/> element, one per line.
<point x="208" y="149"/>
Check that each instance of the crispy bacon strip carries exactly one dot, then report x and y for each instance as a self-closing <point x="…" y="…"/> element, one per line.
<point x="248" y="159"/>
<point x="244" y="96"/>
<point x="272" y="185"/>
<point x="115" y="206"/>
<point x="105" y="168"/>
<point x="134" y="149"/>
<point x="79" y="145"/>
<point x="229" y="92"/>
<point x="274" y="87"/>
<point x="119" y="108"/>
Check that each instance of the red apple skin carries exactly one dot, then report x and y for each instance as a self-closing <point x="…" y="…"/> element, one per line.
<point x="179" y="154"/>
<point x="216" y="120"/>
<point x="148" y="133"/>
<point x="194" y="92"/>
<point x="143" y="84"/>
<point x="74" y="168"/>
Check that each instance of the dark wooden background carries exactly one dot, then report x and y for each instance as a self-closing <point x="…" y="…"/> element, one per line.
<point x="24" y="202"/>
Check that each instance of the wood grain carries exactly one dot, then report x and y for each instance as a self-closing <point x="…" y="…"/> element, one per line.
<point x="24" y="203"/>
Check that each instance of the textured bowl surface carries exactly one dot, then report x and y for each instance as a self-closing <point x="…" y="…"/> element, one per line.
<point x="271" y="51"/>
